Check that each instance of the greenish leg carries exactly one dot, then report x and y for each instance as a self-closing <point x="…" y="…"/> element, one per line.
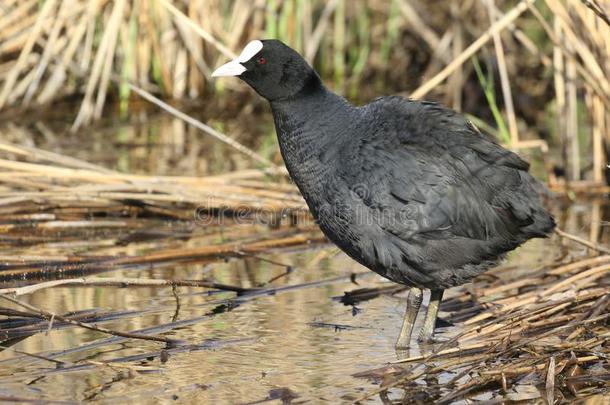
<point x="427" y="331"/>
<point x="413" y="303"/>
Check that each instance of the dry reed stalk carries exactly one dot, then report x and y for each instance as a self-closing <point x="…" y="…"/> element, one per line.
<point x="504" y="79"/>
<point x="580" y="48"/>
<point x="205" y="128"/>
<point x="86" y="52"/>
<point x="113" y="28"/>
<point x="339" y="47"/>
<point x="117" y="282"/>
<point x="456" y="81"/>
<point x="59" y="75"/>
<point x="418" y="25"/>
<point x="203" y="33"/>
<point x="86" y="111"/>
<point x="583" y="188"/>
<point x="514" y="320"/>
<point x="311" y="48"/>
<point x="194" y="47"/>
<point x="56" y="158"/>
<point x="195" y="254"/>
<point x="15" y="42"/>
<point x="572" y="121"/>
<point x="555" y="35"/>
<point x="23" y="169"/>
<point x="594" y="261"/>
<point x="474" y="47"/>
<point x="242" y="12"/>
<point x="21" y="87"/>
<point x="598" y="10"/>
<point x="539" y="367"/>
<point x="601" y="125"/>
<point x="560" y="92"/>
<point x="590" y="275"/>
<point x="17" y="14"/>
<point x="582" y="241"/>
<point x="64" y="9"/>
<point x="13" y="75"/>
<point x="207" y="201"/>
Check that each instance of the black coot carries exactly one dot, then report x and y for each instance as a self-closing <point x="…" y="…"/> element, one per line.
<point x="410" y="189"/>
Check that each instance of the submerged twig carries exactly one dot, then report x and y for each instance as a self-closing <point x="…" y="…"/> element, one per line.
<point x="120" y="282"/>
<point x="50" y="315"/>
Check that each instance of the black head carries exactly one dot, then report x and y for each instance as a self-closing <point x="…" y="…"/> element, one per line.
<point x="273" y="69"/>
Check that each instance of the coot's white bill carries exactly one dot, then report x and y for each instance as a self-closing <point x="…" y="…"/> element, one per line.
<point x="235" y="67"/>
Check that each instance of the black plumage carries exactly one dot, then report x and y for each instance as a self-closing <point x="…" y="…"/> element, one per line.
<point x="410" y="189"/>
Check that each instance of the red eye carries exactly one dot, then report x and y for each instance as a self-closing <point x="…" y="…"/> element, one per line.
<point x="261" y="60"/>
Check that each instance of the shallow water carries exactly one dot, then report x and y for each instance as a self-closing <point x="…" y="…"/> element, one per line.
<point x="301" y="339"/>
<point x="299" y="344"/>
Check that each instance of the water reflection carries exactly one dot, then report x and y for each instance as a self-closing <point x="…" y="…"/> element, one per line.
<point x="152" y="142"/>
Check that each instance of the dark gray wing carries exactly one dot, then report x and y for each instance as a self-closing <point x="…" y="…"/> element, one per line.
<point x="443" y="194"/>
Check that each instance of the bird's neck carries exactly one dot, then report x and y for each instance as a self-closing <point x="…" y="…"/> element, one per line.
<point x="310" y="127"/>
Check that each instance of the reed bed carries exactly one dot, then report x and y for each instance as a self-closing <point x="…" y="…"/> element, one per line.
<point x="32" y="175"/>
<point x="542" y="80"/>
<point x="47" y="207"/>
<point x="549" y="328"/>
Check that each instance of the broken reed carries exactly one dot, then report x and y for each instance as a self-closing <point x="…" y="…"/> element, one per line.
<point x="64" y="217"/>
<point x="551" y="325"/>
<point x="555" y="56"/>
